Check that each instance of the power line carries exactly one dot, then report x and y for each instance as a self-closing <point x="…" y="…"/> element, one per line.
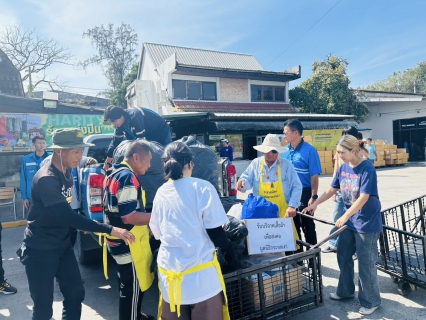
<point x="305" y="32"/>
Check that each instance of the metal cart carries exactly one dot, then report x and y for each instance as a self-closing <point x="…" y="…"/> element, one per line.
<point x="276" y="286"/>
<point x="402" y="245"/>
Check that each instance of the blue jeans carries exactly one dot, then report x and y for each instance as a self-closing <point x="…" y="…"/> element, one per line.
<point x="337" y="213"/>
<point x="365" y="246"/>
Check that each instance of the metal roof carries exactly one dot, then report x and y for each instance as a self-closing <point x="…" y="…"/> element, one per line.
<point x="273" y="125"/>
<point x="16" y="104"/>
<point x="283" y="115"/>
<point x="10" y="78"/>
<point x="202" y="57"/>
<point x="234" y="107"/>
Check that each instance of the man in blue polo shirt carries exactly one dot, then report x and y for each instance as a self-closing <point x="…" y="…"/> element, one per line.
<point x="226" y="150"/>
<point x="30" y="165"/>
<point x="306" y="161"/>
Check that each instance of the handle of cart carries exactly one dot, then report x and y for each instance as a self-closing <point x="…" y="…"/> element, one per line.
<point x="321" y="242"/>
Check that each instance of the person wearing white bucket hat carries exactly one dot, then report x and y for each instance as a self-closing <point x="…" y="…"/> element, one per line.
<point x="273" y="177"/>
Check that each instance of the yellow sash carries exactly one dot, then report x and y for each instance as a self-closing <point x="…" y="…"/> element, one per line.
<point x="274" y="192"/>
<point x="140" y="251"/>
<point x="177" y="277"/>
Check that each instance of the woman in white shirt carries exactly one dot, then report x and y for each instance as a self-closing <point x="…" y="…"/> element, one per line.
<point x="187" y="217"/>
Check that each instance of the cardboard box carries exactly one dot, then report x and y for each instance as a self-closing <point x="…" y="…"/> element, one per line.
<point x="400" y="150"/>
<point x="390" y="157"/>
<point x="404" y="161"/>
<point x="382" y="163"/>
<point x="389" y="162"/>
<point x="322" y="159"/>
<point x="275" y="289"/>
<point x="406" y="155"/>
<point x="328" y="164"/>
<point x="380" y="147"/>
<point x="380" y="153"/>
<point x="400" y="156"/>
<point x="329" y="170"/>
<point x="398" y="161"/>
<point x="328" y="158"/>
<point x="376" y="164"/>
<point x="380" y="157"/>
<point x="321" y="153"/>
<point x="378" y="142"/>
<point x="328" y="153"/>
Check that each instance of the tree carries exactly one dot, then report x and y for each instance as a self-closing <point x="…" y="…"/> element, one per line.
<point x="116" y="53"/>
<point x="32" y="54"/>
<point x="119" y="98"/>
<point x="411" y="81"/>
<point x="327" y="91"/>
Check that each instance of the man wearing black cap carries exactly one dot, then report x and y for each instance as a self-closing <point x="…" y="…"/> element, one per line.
<point x="135" y="123"/>
<point x="46" y="251"/>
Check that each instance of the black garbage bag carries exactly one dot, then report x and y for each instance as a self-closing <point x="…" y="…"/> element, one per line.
<point x="236" y="232"/>
<point x="154" y="177"/>
<point x="205" y="161"/>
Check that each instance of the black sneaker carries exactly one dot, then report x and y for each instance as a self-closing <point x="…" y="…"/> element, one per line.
<point x="6" y="288"/>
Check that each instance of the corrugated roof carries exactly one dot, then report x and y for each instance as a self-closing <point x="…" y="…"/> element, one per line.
<point x="202" y="57"/>
<point x="283" y="115"/>
<point x="237" y="107"/>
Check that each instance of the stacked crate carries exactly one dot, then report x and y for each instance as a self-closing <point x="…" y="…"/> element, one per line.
<point x="380" y="149"/>
<point x="326" y="159"/>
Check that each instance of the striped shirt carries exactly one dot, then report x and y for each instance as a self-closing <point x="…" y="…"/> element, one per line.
<point x="124" y="197"/>
<point x="305" y="160"/>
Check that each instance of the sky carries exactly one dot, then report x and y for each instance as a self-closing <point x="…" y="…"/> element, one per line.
<point x="376" y="37"/>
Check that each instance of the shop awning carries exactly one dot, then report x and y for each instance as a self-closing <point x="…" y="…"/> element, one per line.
<point x="274" y="125"/>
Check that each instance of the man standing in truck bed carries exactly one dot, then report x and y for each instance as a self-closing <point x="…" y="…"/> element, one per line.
<point x="135" y="123"/>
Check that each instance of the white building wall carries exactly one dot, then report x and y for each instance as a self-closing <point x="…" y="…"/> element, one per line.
<point x="382" y="115"/>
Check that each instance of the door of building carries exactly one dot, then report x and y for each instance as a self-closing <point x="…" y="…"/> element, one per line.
<point x="411" y="134"/>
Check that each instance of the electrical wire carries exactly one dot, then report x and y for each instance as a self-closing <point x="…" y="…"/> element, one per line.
<point x="304" y="33"/>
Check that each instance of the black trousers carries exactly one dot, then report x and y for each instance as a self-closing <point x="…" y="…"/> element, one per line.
<point x="130" y="292"/>
<point x="1" y="263"/>
<point x="42" y="266"/>
<point x="305" y="224"/>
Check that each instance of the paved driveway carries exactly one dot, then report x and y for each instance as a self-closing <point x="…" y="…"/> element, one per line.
<point x="395" y="185"/>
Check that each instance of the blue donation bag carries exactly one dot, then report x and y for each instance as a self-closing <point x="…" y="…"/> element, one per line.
<point x="259" y="208"/>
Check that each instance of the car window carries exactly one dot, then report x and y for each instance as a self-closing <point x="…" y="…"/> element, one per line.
<point x="99" y="151"/>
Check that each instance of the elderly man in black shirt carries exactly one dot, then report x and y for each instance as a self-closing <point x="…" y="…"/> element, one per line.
<point x="46" y="251"/>
<point x="135" y="123"/>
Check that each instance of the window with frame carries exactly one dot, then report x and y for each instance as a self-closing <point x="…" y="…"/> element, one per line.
<point x="194" y="90"/>
<point x="267" y="93"/>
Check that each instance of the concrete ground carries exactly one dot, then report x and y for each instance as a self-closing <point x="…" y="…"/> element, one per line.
<point x="396" y="185"/>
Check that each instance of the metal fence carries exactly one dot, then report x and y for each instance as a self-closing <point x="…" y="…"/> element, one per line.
<point x="402" y="244"/>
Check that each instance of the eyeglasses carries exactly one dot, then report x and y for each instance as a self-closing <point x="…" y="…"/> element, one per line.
<point x="286" y="133"/>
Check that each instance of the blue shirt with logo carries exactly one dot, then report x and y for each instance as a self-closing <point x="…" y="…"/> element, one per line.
<point x="353" y="182"/>
<point x="305" y="160"/>
<point x="227" y="152"/>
